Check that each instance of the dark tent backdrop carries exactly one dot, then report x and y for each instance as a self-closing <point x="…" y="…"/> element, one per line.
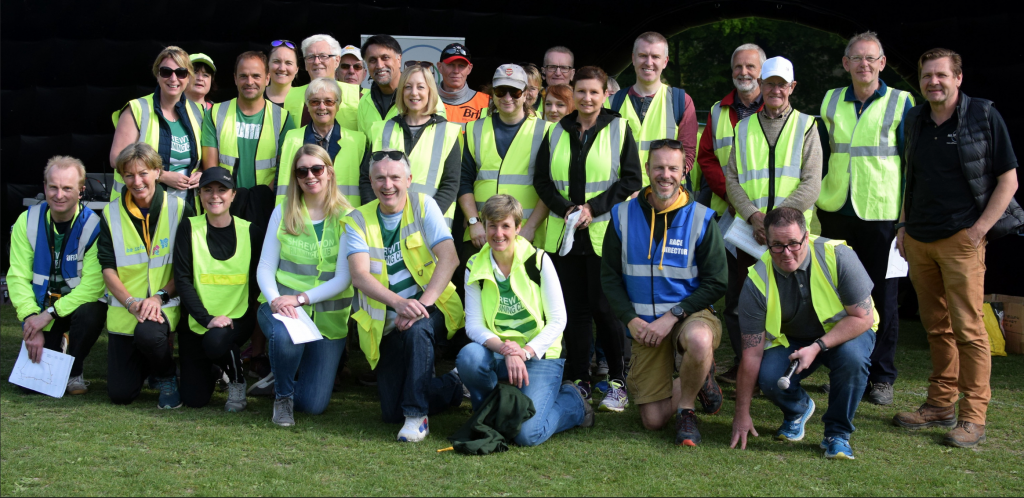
<point x="67" y="65"/>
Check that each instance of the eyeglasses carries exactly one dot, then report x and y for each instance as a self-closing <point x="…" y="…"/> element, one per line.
<point x="319" y="57"/>
<point x="304" y="172"/>
<point x="326" y="102"/>
<point x="557" y="69"/>
<point x="346" y="66"/>
<point x="394" y="155"/>
<point x="794" y="247"/>
<point x="858" y="59"/>
<point x="287" y="43"/>
<point x="502" y="91"/>
<point x="166" y="72"/>
<point x="423" y="64"/>
<point x="772" y="86"/>
<point x="666" y="142"/>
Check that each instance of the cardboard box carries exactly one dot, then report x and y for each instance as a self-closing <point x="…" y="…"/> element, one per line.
<point x="1013" y="320"/>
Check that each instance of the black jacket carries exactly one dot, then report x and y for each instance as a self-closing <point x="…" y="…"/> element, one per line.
<point x="975" y="145"/>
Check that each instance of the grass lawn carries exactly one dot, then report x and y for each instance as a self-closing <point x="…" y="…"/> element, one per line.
<point x="83" y="445"/>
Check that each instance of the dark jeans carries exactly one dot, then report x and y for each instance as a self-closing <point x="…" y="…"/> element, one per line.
<point x="218" y="346"/>
<point x="131" y="359"/>
<point x="83" y="327"/>
<point x="848" y="375"/>
<point x="872" y="240"/>
<point x="405" y="373"/>
<point x="737" y="276"/>
<point x="585" y="303"/>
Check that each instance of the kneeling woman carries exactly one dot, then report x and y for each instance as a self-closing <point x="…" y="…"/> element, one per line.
<point x="213" y="262"/>
<point x="135" y="245"/>
<point x="511" y="288"/>
<point x="299" y="268"/>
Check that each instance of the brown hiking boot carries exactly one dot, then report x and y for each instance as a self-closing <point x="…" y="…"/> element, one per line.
<point x="926" y="416"/>
<point x="729" y="377"/>
<point x="965" y="435"/>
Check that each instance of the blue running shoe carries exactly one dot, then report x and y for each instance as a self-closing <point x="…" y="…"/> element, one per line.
<point x="601" y="387"/>
<point x="793" y="430"/>
<point x="169" y="396"/>
<point x="837" y="448"/>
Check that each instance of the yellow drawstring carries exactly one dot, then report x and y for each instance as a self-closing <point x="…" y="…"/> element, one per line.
<point x="683" y="200"/>
<point x="133" y="209"/>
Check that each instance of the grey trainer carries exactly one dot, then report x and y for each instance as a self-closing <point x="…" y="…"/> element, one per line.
<point x="77" y="385"/>
<point x="236" y="397"/>
<point x="881" y="393"/>
<point x="283" y="408"/>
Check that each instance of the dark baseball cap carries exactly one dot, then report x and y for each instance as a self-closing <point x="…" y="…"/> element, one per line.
<point x="454" y="52"/>
<point x="218" y="175"/>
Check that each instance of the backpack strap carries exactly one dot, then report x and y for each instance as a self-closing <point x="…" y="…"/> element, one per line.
<point x="533" y="271"/>
<point x="678" y="103"/>
<point x="619" y="98"/>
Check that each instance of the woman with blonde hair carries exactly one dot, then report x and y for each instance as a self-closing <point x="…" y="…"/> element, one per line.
<point x="167" y="121"/>
<point x="429" y="141"/>
<point x="300" y="276"/>
<point x="136" y="240"/>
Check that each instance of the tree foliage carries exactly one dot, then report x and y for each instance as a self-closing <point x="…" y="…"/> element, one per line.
<point x="699" y="60"/>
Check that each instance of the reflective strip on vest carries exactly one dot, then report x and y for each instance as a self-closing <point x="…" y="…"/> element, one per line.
<point x="753" y="176"/>
<point x="615" y="128"/>
<point x="719" y="140"/>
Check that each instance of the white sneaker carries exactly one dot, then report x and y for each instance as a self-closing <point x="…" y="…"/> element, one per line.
<point x="415" y="430"/>
<point x="616" y="400"/>
<point x="77" y="385"/>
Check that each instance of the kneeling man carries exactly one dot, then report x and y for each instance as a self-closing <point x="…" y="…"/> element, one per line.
<point x="402" y="257"/>
<point x="808" y="300"/>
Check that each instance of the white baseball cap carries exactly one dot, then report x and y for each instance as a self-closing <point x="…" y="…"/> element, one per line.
<point x="777" y="66"/>
<point x="511" y="75"/>
<point x="352" y="50"/>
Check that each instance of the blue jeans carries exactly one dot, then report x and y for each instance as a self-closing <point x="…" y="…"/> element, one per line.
<point x="848" y="376"/>
<point x="405" y="373"/>
<point x="559" y="407"/>
<point x="315" y="363"/>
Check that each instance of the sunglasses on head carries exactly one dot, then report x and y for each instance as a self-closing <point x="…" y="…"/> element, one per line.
<point x="166" y="72"/>
<point x="304" y="172"/>
<point x="287" y="43"/>
<point x="455" y="50"/>
<point x="394" y="155"/>
<point x="666" y="142"/>
<point x="423" y="64"/>
<point x="502" y="91"/>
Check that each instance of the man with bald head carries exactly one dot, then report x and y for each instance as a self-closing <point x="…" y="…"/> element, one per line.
<point x="663" y="269"/>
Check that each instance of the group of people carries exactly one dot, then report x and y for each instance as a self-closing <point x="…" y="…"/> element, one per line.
<point x="412" y="213"/>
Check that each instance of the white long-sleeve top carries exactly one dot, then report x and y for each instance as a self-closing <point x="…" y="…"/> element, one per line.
<point x="266" y="272"/>
<point x="551" y="299"/>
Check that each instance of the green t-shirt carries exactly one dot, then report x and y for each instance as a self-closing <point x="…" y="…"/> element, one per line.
<point x="318" y="227"/>
<point x="400" y="279"/>
<point x="512" y="314"/>
<point x="181" y="149"/>
<point x="247" y="132"/>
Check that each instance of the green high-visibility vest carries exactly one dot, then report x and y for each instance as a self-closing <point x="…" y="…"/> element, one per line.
<point x="346" y="116"/>
<point x="346" y="163"/>
<point x="426" y="158"/>
<point x="223" y="286"/>
<point x="367" y="114"/>
<point x="419" y="260"/>
<point x="659" y="123"/>
<point x="824" y="290"/>
<point x="603" y="170"/>
<point x="143" y="272"/>
<point x="307" y="262"/>
<point x="149" y="130"/>
<point x="225" y="118"/>
<point x="752" y="159"/>
<point x="512" y="174"/>
<point x="721" y="131"/>
<point x="481" y="272"/>
<point x="865" y="163"/>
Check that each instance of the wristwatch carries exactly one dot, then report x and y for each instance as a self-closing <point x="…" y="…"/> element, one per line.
<point x="474" y="220"/>
<point x="821" y="344"/>
<point x="901" y="225"/>
<point x="164" y="296"/>
<point x="52" y="312"/>
<point x="677" y="311"/>
<point x="528" y="355"/>
<point x="301" y="299"/>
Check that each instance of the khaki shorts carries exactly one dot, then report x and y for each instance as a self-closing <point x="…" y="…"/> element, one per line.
<point x="651" y="369"/>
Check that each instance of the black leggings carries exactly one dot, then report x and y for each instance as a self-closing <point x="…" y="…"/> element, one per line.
<point x="83" y="327"/>
<point x="218" y="346"/>
<point x="585" y="303"/>
<point x="130" y="359"/>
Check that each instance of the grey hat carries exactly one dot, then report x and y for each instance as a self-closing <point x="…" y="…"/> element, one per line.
<point x="510" y="75"/>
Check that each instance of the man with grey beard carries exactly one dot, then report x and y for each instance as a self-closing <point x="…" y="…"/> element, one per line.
<point x="713" y="154"/>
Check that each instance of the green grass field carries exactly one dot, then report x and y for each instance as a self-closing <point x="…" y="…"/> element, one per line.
<point x="83" y="445"/>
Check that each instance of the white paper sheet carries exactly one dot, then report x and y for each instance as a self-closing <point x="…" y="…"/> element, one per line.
<point x="723" y="226"/>
<point x="49" y="376"/>
<point x="741" y="234"/>
<point x="301" y="330"/>
<point x="570" y="232"/>
<point x="898" y="267"/>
